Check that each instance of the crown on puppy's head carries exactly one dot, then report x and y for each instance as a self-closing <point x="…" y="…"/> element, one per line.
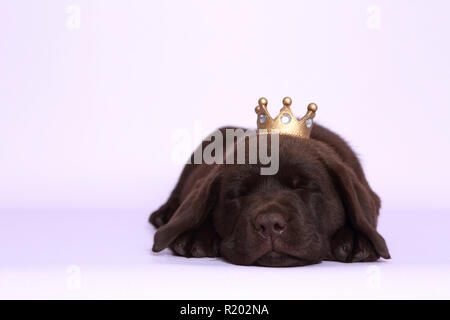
<point x="285" y="123"/>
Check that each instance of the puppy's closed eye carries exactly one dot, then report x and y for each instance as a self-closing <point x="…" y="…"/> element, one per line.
<point x="305" y="184"/>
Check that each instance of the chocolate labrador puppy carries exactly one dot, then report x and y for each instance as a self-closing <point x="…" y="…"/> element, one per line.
<point x="318" y="206"/>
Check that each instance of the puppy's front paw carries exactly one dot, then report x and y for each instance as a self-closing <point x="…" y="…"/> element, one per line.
<point x="202" y="242"/>
<point x="348" y="245"/>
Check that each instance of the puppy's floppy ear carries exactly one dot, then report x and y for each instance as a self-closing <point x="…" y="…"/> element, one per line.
<point x="360" y="202"/>
<point x="192" y="211"/>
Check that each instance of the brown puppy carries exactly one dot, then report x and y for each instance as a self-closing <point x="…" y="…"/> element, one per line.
<point x="319" y="206"/>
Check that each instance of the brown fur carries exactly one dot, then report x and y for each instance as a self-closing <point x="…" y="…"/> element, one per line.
<point x="319" y="206"/>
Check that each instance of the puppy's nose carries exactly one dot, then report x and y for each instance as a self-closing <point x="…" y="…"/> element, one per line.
<point x="270" y="224"/>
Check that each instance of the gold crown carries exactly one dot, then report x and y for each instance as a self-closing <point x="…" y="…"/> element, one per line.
<point x="285" y="122"/>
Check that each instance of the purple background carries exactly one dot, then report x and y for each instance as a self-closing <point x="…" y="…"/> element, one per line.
<point x="90" y="113"/>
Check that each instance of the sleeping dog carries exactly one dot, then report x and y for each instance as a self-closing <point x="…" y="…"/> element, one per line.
<point x="318" y="206"/>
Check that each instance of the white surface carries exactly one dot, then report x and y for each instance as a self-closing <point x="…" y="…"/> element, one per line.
<point x="78" y="256"/>
<point x="171" y="278"/>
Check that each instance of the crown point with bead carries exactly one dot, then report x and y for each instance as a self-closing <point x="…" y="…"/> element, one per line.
<point x="312" y="107"/>
<point x="287" y="101"/>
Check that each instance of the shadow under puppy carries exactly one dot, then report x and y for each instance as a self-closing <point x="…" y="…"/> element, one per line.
<point x="318" y="206"/>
